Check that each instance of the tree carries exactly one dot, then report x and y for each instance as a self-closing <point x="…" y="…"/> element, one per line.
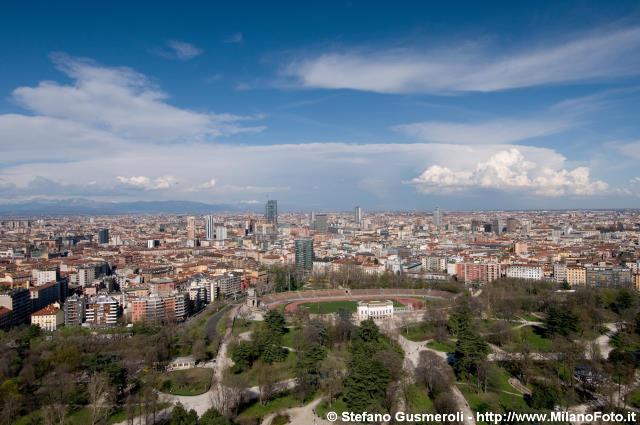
<point x="561" y="321"/>
<point x="544" y="396"/>
<point x="331" y="371"/>
<point x="10" y="400"/>
<point x="433" y="372"/>
<point x="213" y="417"/>
<point x="275" y="322"/>
<point x="266" y="380"/>
<point x="470" y="349"/>
<point x="180" y="416"/>
<point x="99" y="393"/>
<point x="368" y="331"/>
<point x="460" y="321"/>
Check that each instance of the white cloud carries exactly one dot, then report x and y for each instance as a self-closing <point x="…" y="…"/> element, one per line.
<point x="471" y="67"/>
<point x="163" y="182"/>
<point x="498" y="131"/>
<point x="234" y="38"/>
<point x="123" y="103"/>
<point x="179" y="50"/>
<point x="203" y="186"/>
<point x="509" y="170"/>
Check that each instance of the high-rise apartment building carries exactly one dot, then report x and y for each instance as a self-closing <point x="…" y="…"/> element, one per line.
<point x="221" y="233"/>
<point x="497" y="226"/>
<point x="209" y="227"/>
<point x="271" y="211"/>
<point x="512" y="225"/>
<point x="191" y="228"/>
<point x="357" y="216"/>
<point x="320" y="223"/>
<point x="304" y="253"/>
<point x="19" y="302"/>
<point x="103" y="236"/>
<point x="437" y="218"/>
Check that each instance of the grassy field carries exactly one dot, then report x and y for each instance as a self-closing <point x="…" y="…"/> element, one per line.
<point x="281" y="401"/>
<point x="420" y="331"/>
<point x="447" y="346"/>
<point x="491" y="401"/>
<point x="326" y="307"/>
<point x="242" y="325"/>
<point x="418" y="399"/>
<point x="532" y="336"/>
<point x="337" y="406"/>
<point x="289" y="337"/>
<point x="186" y="382"/>
<point x="83" y="416"/>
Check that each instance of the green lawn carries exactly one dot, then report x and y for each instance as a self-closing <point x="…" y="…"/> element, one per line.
<point x="326" y="307"/>
<point x="186" y="382"/>
<point x="633" y="398"/>
<point x="242" y="326"/>
<point x="418" y="399"/>
<point x="289" y="337"/>
<point x="532" y="336"/>
<point x="338" y="405"/>
<point x="491" y="401"/>
<point x="447" y="346"/>
<point x="421" y="331"/>
<point x="281" y="401"/>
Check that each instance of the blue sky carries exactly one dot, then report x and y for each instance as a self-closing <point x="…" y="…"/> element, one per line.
<point x="323" y="106"/>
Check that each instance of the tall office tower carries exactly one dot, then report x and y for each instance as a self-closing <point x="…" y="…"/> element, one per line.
<point x="320" y="223"/>
<point x="221" y="233"/>
<point x="312" y="222"/>
<point x="103" y="236"/>
<point x="304" y="253"/>
<point x="526" y="227"/>
<point x="210" y="228"/>
<point x="357" y="216"/>
<point x="271" y="211"/>
<point x="437" y="218"/>
<point x="512" y="225"/>
<point x="191" y="228"/>
<point x="497" y="226"/>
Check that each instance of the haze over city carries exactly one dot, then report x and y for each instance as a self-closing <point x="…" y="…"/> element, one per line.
<point x="466" y="106"/>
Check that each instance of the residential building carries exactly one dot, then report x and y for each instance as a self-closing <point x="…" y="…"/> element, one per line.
<point x="304" y="253"/>
<point x="48" y="318"/>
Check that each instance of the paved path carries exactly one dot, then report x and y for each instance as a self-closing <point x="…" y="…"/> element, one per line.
<point x="305" y="415"/>
<point x="603" y="341"/>
<point x="412" y="351"/>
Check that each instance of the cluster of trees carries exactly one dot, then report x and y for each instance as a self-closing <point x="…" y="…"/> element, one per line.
<point x="73" y="368"/>
<point x="372" y="381"/>
<point x="265" y="344"/>
<point x="180" y="416"/>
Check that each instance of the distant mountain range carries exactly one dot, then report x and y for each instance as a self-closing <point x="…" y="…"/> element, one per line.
<point x="80" y="206"/>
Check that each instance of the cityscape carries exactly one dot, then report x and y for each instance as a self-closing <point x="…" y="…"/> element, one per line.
<point x="281" y="213"/>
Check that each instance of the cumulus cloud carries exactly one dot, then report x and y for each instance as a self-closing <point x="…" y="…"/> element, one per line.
<point x="497" y="131"/>
<point x="179" y="50"/>
<point x="509" y="170"/>
<point x="122" y="102"/>
<point x="470" y="67"/>
<point x="163" y="182"/>
<point x="203" y="186"/>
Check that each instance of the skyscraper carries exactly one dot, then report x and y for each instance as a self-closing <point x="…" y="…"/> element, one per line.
<point x="271" y="211"/>
<point x="221" y="233"/>
<point x="437" y="218"/>
<point x="209" y="226"/>
<point x="357" y="216"/>
<point x="191" y="228"/>
<point x="304" y="253"/>
<point x="103" y="236"/>
<point x="320" y="223"/>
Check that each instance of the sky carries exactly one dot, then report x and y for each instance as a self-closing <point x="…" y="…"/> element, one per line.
<point x="323" y="105"/>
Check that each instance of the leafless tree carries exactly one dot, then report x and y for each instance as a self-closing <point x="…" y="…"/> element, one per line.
<point x="99" y="392"/>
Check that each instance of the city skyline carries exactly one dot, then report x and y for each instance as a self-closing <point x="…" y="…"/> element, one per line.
<point x="472" y="107"/>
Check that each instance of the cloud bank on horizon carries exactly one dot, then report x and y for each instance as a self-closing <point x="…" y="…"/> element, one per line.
<point x="115" y="132"/>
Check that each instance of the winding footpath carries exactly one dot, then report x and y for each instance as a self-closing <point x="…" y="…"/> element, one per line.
<point x="412" y="352"/>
